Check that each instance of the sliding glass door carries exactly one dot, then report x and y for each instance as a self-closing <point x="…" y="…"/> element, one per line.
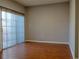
<point x="20" y="28"/>
<point x="13" y="28"/>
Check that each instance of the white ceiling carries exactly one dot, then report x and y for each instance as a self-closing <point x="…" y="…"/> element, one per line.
<point x="38" y="2"/>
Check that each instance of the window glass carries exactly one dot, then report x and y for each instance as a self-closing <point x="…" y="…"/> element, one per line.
<point x="13" y="28"/>
<point x="4" y="18"/>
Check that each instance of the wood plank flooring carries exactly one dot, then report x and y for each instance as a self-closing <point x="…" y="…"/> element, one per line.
<point x="37" y="51"/>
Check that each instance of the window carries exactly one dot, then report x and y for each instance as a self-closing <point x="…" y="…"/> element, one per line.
<point x="13" y="28"/>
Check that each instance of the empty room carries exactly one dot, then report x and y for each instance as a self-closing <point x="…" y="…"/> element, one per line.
<point x="38" y="29"/>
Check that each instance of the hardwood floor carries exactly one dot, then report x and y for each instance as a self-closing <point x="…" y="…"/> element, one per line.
<point x="37" y="51"/>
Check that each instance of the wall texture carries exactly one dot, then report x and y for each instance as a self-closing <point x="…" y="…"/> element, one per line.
<point x="0" y="31"/>
<point x="12" y="5"/>
<point x="77" y="29"/>
<point x="49" y="22"/>
<point x="72" y="27"/>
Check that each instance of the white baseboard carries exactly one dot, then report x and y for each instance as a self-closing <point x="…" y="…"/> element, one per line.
<point x="47" y="42"/>
<point x="72" y="52"/>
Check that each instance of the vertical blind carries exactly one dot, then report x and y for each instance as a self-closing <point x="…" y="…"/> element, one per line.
<point x="12" y="27"/>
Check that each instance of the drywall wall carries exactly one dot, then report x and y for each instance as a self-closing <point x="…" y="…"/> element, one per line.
<point x="12" y="5"/>
<point x="0" y="31"/>
<point x="77" y="29"/>
<point x="27" y="36"/>
<point x="72" y="27"/>
<point x="49" y="22"/>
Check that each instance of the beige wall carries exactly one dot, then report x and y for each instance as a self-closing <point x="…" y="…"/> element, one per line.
<point x="72" y="27"/>
<point x="27" y="23"/>
<point x="12" y="5"/>
<point x="0" y="31"/>
<point x="77" y="25"/>
<point x="49" y="22"/>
